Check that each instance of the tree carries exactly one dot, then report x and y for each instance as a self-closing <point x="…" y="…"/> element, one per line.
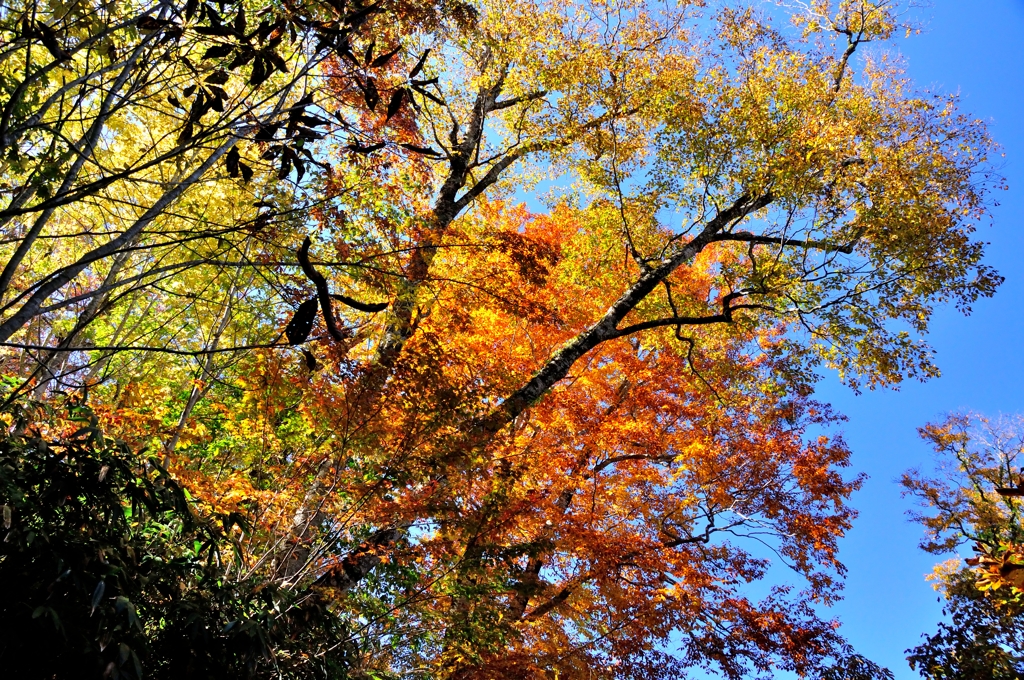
<point x="974" y="500"/>
<point x="522" y="442"/>
<point x="983" y="639"/>
<point x="117" y="576"/>
<point x="141" y="146"/>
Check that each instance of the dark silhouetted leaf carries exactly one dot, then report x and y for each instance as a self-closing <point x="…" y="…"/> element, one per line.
<point x="299" y="328"/>
<point x="218" y="77"/>
<point x="370" y="94"/>
<point x="259" y="72"/>
<point x="423" y="91"/>
<point x="242" y="58"/>
<point x="186" y="133"/>
<point x="231" y="160"/>
<point x="263" y="30"/>
<point x="218" y="51"/>
<point x="109" y="50"/>
<point x="345" y="50"/>
<point x="419" y="64"/>
<point x="357" y="18"/>
<point x="267" y="132"/>
<point x="286" y="167"/>
<point x="311" y="362"/>
<point x="395" y="103"/>
<point x="276" y="61"/>
<point x="383" y="59"/>
<point x="50" y="41"/>
<point x="149" y="24"/>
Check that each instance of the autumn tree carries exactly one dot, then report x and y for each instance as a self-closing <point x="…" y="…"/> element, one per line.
<point x="972" y="501"/>
<point x="559" y="437"/>
<point x="146" y="149"/>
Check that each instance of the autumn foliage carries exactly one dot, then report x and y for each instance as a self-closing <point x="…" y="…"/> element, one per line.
<point x="504" y="342"/>
<point x="970" y="502"/>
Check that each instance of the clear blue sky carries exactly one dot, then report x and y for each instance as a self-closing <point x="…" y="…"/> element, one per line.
<point x="973" y="48"/>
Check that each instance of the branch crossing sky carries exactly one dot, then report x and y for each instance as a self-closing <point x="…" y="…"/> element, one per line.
<point x="972" y="48"/>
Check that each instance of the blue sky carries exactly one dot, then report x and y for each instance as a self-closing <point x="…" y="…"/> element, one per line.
<point x="972" y="48"/>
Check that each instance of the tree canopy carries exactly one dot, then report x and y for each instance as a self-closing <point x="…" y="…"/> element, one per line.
<point x="973" y="498"/>
<point x="498" y="323"/>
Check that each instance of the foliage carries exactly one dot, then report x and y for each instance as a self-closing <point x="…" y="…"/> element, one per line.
<point x="983" y="639"/>
<point x="504" y="439"/>
<point x="150" y="145"/>
<point x="974" y="499"/>
<point x="113" y="574"/>
<point x="852" y="666"/>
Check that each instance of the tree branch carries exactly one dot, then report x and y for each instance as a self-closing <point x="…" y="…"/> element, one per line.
<point x="747" y="237"/>
<point x="607" y="327"/>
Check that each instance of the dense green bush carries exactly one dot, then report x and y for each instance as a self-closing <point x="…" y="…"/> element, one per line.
<point x="108" y="570"/>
